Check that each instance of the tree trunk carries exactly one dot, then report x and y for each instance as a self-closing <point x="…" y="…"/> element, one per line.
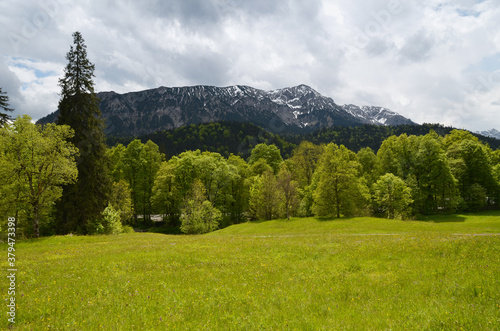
<point x="36" y="222"/>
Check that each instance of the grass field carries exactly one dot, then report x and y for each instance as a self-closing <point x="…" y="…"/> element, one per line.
<point x="442" y="273"/>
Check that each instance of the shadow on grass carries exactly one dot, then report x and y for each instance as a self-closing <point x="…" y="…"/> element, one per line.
<point x="450" y="218"/>
<point x="331" y="218"/>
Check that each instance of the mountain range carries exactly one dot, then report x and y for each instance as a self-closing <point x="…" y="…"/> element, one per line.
<point x="298" y="109"/>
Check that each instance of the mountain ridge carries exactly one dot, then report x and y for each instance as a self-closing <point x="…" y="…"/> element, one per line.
<point x="297" y="109"/>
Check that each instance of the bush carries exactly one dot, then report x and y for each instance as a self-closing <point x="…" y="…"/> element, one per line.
<point x="127" y="229"/>
<point x="198" y="219"/>
<point x="109" y="224"/>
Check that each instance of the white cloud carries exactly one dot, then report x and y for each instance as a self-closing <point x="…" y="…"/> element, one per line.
<point x="428" y="60"/>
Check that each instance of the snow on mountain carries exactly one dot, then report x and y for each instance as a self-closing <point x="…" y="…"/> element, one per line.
<point x="493" y="133"/>
<point x="291" y="109"/>
<point x="376" y="115"/>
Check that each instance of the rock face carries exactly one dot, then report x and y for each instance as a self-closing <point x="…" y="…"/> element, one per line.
<point x="295" y="109"/>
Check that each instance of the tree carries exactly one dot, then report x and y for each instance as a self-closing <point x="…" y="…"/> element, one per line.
<point x="270" y="153"/>
<point x="340" y="190"/>
<point x="265" y="201"/>
<point x="471" y="165"/>
<point x="392" y="196"/>
<point x="37" y="161"/>
<point x="435" y="184"/>
<point x="305" y="159"/>
<point x="289" y="189"/>
<point x="84" y="201"/>
<point x="198" y="215"/>
<point x="139" y="164"/>
<point x="121" y="200"/>
<point x="4" y="105"/>
<point x="166" y="195"/>
<point x="369" y="164"/>
<point x="109" y="223"/>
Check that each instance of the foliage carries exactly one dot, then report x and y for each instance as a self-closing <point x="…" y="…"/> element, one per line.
<point x="289" y="191"/>
<point x="198" y="215"/>
<point x="121" y="200"/>
<point x="109" y="223"/>
<point x="35" y="162"/>
<point x="392" y="196"/>
<point x="265" y="202"/>
<point x="269" y="153"/>
<point x="304" y="162"/>
<point x="138" y="164"/>
<point x="83" y="202"/>
<point x="127" y="229"/>
<point x="471" y="164"/>
<point x="224" y="137"/>
<point x="339" y="191"/>
<point x="4" y="106"/>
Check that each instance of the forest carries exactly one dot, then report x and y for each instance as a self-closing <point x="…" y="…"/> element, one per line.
<point x="63" y="178"/>
<point x="200" y="191"/>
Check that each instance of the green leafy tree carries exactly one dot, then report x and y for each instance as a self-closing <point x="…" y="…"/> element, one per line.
<point x="396" y="155"/>
<point x="369" y="165"/>
<point x="236" y="198"/>
<point x="265" y="197"/>
<point x="121" y="200"/>
<point x="431" y="172"/>
<point x="304" y="162"/>
<point x="35" y="162"/>
<point x="115" y="156"/>
<point x="4" y="106"/>
<point x="289" y="191"/>
<point x="198" y="215"/>
<point x="166" y="194"/>
<point x="471" y="165"/>
<point x="109" y="223"/>
<point x="270" y="153"/>
<point x="84" y="201"/>
<point x="139" y="165"/>
<point x="340" y="190"/>
<point x="134" y="165"/>
<point x="392" y="196"/>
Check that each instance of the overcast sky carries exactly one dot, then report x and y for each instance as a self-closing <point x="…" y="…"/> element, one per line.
<point x="434" y="61"/>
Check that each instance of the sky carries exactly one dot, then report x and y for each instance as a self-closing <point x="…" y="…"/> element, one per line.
<point x="433" y="61"/>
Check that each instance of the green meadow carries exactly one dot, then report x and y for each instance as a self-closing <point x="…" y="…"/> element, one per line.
<point x="438" y="273"/>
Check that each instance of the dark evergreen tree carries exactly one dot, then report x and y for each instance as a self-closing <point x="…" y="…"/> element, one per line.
<point x="4" y="105"/>
<point x="83" y="202"/>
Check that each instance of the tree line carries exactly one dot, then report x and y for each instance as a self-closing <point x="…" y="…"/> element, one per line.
<point x="226" y="137"/>
<point x="62" y="178"/>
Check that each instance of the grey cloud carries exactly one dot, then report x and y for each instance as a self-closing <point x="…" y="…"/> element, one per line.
<point x="417" y="48"/>
<point x="12" y="86"/>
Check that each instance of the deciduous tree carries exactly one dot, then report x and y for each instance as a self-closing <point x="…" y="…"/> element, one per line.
<point x="35" y="162"/>
<point x="392" y="196"/>
<point x="339" y="191"/>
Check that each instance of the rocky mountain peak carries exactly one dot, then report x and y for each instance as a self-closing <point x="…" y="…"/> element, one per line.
<point x="292" y="109"/>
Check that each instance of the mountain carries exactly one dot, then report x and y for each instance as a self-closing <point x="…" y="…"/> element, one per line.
<point x="298" y="109"/>
<point x="376" y="115"/>
<point x="493" y="133"/>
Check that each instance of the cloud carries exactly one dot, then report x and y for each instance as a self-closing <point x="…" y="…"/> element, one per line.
<point x="425" y="60"/>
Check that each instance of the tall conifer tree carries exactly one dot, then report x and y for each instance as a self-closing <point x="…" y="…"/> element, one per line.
<point x="4" y="105"/>
<point x="84" y="201"/>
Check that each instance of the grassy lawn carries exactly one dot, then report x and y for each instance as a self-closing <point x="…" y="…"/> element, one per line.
<point x="304" y="274"/>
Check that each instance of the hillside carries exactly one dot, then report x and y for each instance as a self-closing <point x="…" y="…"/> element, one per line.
<point x="239" y="138"/>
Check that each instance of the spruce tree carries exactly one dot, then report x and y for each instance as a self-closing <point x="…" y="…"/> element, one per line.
<point x="83" y="202"/>
<point x="4" y="105"/>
